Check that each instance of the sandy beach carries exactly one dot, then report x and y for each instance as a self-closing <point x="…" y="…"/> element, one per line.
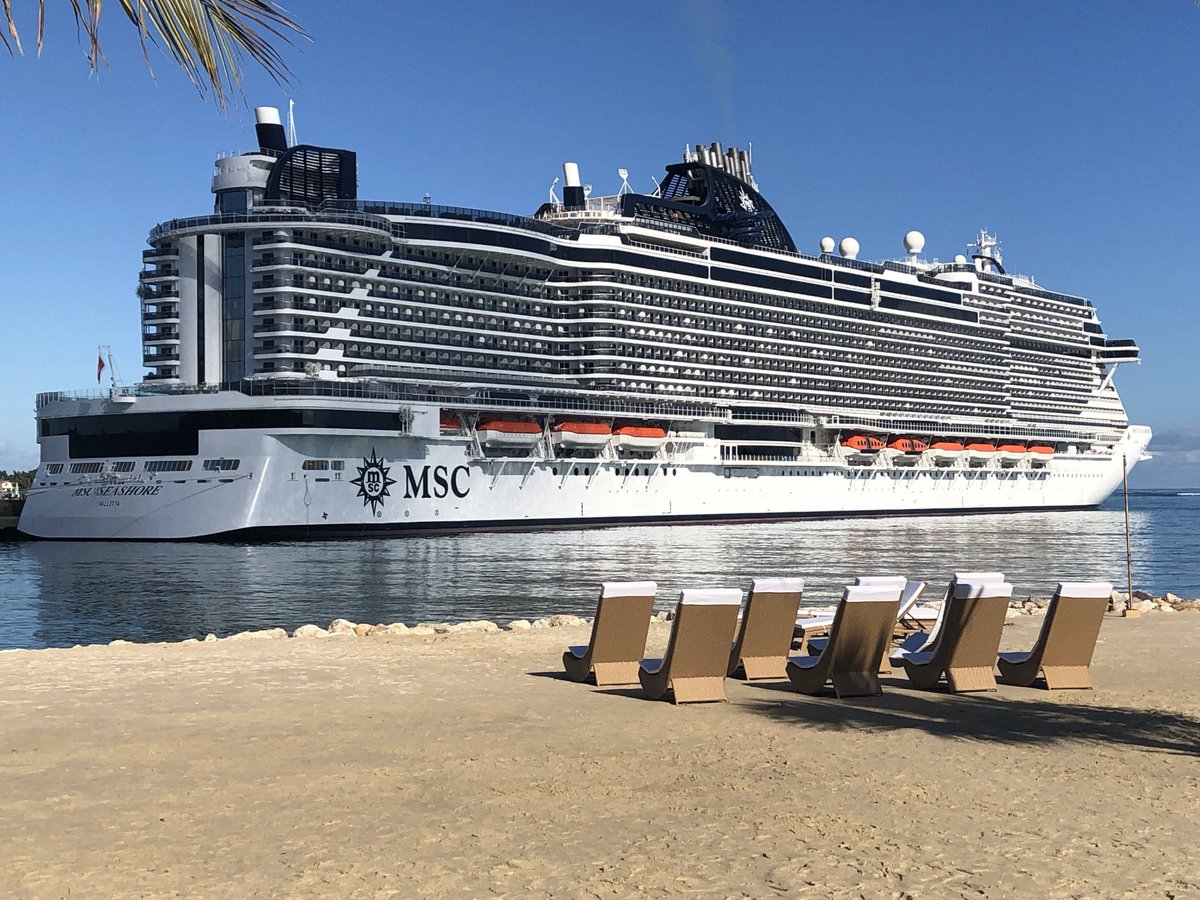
<point x="464" y="765"/>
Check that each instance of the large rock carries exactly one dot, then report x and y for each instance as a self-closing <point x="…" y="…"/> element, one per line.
<point x="1146" y="605"/>
<point x="362" y="630"/>
<point x="519" y="625"/>
<point x="478" y="626"/>
<point x="394" y="628"/>
<point x="265" y="634"/>
<point x="1142" y="595"/>
<point x="422" y="629"/>
<point x="310" y="631"/>
<point x="342" y="626"/>
<point x="1187" y="606"/>
<point x="209" y="638"/>
<point x="1172" y="598"/>
<point x="559" y="621"/>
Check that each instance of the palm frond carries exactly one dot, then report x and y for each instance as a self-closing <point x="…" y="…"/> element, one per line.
<point x="208" y="39"/>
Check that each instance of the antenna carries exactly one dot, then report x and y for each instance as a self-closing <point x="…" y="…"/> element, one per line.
<point x="553" y="196"/>
<point x="292" y="141"/>
<point x="657" y="187"/>
<point x="625" y="188"/>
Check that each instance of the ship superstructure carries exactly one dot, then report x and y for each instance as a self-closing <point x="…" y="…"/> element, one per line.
<point x="337" y="365"/>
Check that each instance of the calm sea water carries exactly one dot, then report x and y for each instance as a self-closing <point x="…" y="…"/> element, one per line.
<point x="58" y="594"/>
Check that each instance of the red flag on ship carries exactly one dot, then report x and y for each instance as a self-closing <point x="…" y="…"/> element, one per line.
<point x="99" y="367"/>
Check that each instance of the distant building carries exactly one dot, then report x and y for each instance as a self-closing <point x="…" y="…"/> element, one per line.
<point x="10" y="490"/>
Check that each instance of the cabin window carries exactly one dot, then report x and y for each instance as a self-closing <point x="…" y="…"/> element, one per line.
<point x="168" y="465"/>
<point x="221" y="465"/>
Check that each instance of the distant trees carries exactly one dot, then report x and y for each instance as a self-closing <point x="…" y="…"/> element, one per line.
<point x="206" y="38"/>
<point x="23" y="479"/>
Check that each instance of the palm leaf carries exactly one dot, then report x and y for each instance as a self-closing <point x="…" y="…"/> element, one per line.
<point x="208" y="39"/>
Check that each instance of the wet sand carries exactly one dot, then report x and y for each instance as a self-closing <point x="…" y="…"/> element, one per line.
<point x="463" y="765"/>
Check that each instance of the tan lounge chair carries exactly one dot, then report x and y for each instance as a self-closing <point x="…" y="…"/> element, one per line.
<point x="967" y="641"/>
<point x="862" y="630"/>
<point x="926" y="642"/>
<point x="618" y="634"/>
<point x="697" y="657"/>
<point x="1063" y="651"/>
<point x="907" y="613"/>
<point x="765" y="637"/>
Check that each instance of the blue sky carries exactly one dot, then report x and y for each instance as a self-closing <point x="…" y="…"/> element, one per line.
<point x="1070" y="129"/>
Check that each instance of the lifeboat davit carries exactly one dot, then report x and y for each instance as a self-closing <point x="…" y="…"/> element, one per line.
<point x="580" y="435"/>
<point x="639" y="438"/>
<point x="508" y="433"/>
<point x="905" y="451"/>
<point x="945" y="453"/>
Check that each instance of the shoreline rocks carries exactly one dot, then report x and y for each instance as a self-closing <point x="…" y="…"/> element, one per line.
<point x="1029" y="606"/>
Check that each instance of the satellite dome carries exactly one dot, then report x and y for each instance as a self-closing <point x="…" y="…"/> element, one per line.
<point x="914" y="242"/>
<point x="827" y="245"/>
<point x="959" y="259"/>
<point x="849" y="248"/>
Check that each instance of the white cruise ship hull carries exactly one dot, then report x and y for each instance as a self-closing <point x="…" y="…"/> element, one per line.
<point x="400" y="484"/>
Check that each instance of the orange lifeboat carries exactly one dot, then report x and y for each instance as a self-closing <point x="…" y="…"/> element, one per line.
<point x="1039" y="454"/>
<point x="580" y="435"/>
<point x="1011" y="454"/>
<point x="945" y="453"/>
<point x="905" y="451"/>
<point x="908" y="445"/>
<point x="978" y="453"/>
<point x="449" y="423"/>
<point x="508" y="433"/>
<point x="863" y="443"/>
<point x="639" y="438"/>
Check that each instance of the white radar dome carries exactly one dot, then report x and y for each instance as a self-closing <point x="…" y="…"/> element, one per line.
<point x="960" y="259"/>
<point x="827" y="245"/>
<point x="849" y="248"/>
<point x="914" y="242"/>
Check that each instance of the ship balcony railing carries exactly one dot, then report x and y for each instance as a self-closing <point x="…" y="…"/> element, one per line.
<point x="276" y="328"/>
<point x="306" y="242"/>
<point x="150" y="293"/>
<point x="162" y="356"/>
<point x="161" y="315"/>
<point x="299" y="262"/>
<point x="160" y="253"/>
<point x="325" y="215"/>
<point x="160" y="272"/>
<point x="170" y="337"/>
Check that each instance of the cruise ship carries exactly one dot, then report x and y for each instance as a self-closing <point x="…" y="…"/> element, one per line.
<point x="321" y="365"/>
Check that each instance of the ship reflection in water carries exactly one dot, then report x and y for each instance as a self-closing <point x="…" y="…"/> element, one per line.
<point x="60" y="594"/>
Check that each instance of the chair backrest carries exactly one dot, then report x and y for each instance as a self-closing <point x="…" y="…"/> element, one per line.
<point x="972" y="624"/>
<point x="910" y="590"/>
<point x="935" y="632"/>
<point x="862" y="626"/>
<point x="1073" y="620"/>
<point x="770" y="616"/>
<point x="622" y="621"/>
<point x="704" y="624"/>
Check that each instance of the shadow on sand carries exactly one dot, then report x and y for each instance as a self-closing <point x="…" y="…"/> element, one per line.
<point x="1001" y="718"/>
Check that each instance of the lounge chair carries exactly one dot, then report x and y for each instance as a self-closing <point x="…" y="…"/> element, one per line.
<point x="1064" y="646"/>
<point x="618" y="634"/>
<point x="765" y="637"/>
<point x="697" y="658"/>
<point x="862" y="630"/>
<point x="907" y="613"/>
<point x="926" y="641"/>
<point x="967" y="642"/>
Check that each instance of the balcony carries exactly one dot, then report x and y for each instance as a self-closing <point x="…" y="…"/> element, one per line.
<point x="156" y="253"/>
<point x="162" y="357"/>
<point x="158" y="273"/>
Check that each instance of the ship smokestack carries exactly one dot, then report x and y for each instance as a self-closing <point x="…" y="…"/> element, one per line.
<point x="572" y="191"/>
<point x="269" y="129"/>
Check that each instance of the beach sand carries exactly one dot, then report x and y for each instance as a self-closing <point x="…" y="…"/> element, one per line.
<point x="464" y="765"/>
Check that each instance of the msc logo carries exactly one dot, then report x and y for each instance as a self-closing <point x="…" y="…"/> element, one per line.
<point x="373" y="481"/>
<point x="445" y="481"/>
